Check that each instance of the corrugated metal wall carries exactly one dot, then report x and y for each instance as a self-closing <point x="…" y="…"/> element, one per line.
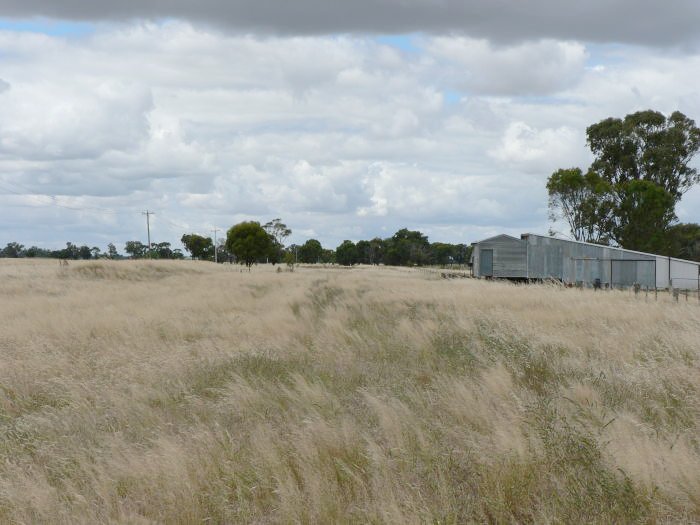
<point x="541" y="257"/>
<point x="685" y="275"/>
<point x="509" y="257"/>
<point x="663" y="272"/>
<point x="572" y="262"/>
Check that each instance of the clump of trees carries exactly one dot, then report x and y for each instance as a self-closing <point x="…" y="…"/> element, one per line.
<point x="14" y="250"/>
<point x="684" y="241"/>
<point x="138" y="250"/>
<point x="628" y="195"/>
<point x="404" y="248"/>
<point x="250" y="243"/>
<point x="278" y="232"/>
<point x="310" y="252"/>
<point x="71" y="251"/>
<point x="198" y="247"/>
<point x="347" y="254"/>
<point x="134" y="249"/>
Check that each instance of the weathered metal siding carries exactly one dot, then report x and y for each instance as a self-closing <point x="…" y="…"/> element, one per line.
<point x="571" y="262"/>
<point x="684" y="274"/>
<point x="675" y="273"/>
<point x="541" y="257"/>
<point x="544" y="258"/>
<point x="663" y="272"/>
<point x="509" y="257"/>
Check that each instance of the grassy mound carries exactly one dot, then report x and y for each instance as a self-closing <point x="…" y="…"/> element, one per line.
<point x="130" y="270"/>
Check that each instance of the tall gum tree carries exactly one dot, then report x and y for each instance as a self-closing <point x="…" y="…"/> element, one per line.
<point x="640" y="171"/>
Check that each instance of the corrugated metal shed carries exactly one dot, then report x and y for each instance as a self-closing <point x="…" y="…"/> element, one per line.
<point x="501" y="256"/>
<point x="580" y="262"/>
<point x="541" y="257"/>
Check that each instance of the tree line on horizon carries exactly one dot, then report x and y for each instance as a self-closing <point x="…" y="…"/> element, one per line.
<point x="133" y="249"/>
<point x="251" y="243"/>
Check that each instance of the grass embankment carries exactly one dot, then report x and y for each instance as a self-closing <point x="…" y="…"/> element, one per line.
<point x="183" y="392"/>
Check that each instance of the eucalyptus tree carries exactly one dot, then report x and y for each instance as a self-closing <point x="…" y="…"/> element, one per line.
<point x="640" y="171"/>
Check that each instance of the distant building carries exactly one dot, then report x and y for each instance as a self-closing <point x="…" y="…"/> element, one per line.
<point x="536" y="257"/>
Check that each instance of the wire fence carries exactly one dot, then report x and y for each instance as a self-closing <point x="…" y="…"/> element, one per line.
<point x="682" y="290"/>
<point x="684" y="283"/>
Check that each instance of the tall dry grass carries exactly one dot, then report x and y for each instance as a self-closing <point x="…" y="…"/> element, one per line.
<point x="193" y="393"/>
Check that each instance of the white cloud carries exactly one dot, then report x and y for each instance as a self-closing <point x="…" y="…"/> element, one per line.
<point x="51" y="120"/>
<point x="340" y="136"/>
<point x="538" y="151"/>
<point x="531" y="68"/>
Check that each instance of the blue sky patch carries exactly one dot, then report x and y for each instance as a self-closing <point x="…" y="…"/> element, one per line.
<point x="403" y="42"/>
<point x="452" y="97"/>
<point x="46" y="27"/>
<point x="606" y="54"/>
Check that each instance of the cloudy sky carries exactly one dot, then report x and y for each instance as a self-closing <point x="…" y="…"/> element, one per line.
<point x="348" y="120"/>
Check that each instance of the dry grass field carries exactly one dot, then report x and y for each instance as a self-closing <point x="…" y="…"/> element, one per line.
<point x="180" y="392"/>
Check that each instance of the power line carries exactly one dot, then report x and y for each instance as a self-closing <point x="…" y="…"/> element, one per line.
<point x="180" y="226"/>
<point x="54" y="202"/>
<point x="53" y="198"/>
<point x="11" y="187"/>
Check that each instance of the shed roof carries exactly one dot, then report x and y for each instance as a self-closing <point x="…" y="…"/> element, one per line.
<point x="526" y="235"/>
<point x="498" y="237"/>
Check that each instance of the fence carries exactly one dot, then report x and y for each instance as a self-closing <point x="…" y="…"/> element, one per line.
<point x="684" y="283"/>
<point x="689" y="292"/>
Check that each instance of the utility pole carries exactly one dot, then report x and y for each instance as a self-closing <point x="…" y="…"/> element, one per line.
<point x="216" y="256"/>
<point x="148" y="228"/>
